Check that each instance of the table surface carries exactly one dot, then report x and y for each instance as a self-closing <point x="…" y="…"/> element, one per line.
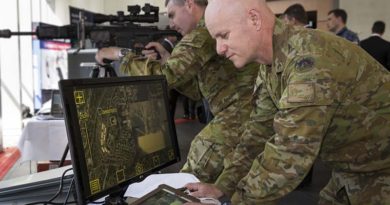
<point x="43" y="140"/>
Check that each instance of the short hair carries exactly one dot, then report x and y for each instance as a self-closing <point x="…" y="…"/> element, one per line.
<point x="296" y="11"/>
<point x="378" y="27"/>
<point x="202" y="3"/>
<point x="339" y="13"/>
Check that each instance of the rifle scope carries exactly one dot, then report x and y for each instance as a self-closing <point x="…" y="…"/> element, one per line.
<point x="150" y="15"/>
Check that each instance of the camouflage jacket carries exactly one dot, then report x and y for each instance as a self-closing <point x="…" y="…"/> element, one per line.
<point x="195" y="70"/>
<point x="330" y="100"/>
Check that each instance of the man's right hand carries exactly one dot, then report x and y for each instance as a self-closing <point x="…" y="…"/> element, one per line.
<point x="110" y="53"/>
<point x="152" y="48"/>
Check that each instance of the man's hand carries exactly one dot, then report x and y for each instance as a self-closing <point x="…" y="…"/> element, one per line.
<point x="151" y="53"/>
<point x="110" y="53"/>
<point x="201" y="190"/>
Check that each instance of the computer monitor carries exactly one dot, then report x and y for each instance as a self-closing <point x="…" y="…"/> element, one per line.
<point x="119" y="131"/>
<point x="56" y="105"/>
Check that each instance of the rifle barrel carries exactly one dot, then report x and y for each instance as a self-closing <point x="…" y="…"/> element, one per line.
<point x="8" y="33"/>
<point x="23" y="33"/>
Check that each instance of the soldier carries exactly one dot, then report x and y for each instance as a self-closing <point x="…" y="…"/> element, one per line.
<point x="332" y="101"/>
<point x="195" y="69"/>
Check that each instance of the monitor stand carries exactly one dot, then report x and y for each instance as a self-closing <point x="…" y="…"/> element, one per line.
<point x="116" y="198"/>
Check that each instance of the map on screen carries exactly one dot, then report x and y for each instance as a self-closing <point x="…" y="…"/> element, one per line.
<point x="119" y="130"/>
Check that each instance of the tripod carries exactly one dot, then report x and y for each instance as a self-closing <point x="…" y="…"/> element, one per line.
<point x="108" y="71"/>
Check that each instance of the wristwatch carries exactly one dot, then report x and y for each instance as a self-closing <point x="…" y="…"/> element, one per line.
<point x="123" y="52"/>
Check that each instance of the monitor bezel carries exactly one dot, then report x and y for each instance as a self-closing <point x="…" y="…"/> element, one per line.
<point x="74" y="136"/>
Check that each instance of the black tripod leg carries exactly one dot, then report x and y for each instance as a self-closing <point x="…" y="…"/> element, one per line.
<point x="64" y="156"/>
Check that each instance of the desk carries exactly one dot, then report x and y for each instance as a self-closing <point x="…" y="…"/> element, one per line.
<point x="34" y="187"/>
<point x="43" y="140"/>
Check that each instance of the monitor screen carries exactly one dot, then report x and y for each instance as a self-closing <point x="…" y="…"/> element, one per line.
<point x="119" y="131"/>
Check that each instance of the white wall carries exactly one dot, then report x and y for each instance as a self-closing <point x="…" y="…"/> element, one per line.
<point x="26" y="82"/>
<point x="10" y="72"/>
<point x="362" y="14"/>
<point x="62" y="8"/>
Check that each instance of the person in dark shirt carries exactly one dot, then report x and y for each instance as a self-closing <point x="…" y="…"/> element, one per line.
<point x="376" y="46"/>
<point x="337" y="20"/>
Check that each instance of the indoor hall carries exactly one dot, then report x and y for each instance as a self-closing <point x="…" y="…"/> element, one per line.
<point x="30" y="69"/>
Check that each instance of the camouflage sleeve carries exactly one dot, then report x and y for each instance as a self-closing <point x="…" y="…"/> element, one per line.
<point x="135" y="65"/>
<point x="287" y="157"/>
<point x="188" y="58"/>
<point x="305" y="109"/>
<point x="257" y="130"/>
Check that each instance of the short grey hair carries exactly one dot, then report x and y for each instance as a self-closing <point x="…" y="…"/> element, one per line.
<point x="202" y="3"/>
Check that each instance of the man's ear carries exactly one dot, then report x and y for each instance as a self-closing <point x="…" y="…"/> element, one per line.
<point x="255" y="19"/>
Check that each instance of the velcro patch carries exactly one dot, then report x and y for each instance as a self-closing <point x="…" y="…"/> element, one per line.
<point x="305" y="64"/>
<point x="301" y="93"/>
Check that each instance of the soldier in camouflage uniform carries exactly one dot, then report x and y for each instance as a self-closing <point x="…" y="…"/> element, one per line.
<point x="331" y="100"/>
<point x="195" y="70"/>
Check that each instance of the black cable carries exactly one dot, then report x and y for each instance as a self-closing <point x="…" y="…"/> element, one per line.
<point x="49" y="202"/>
<point x="61" y="185"/>
<point x="43" y="202"/>
<point x="69" y="190"/>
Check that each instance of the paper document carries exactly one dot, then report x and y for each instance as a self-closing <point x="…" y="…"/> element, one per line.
<point x="175" y="180"/>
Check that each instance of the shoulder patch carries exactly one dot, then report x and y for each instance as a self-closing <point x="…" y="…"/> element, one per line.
<point x="196" y="38"/>
<point x="301" y="93"/>
<point x="305" y="64"/>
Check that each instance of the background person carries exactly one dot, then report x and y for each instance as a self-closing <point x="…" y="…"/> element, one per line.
<point x="295" y="15"/>
<point x="376" y="46"/>
<point x="337" y="20"/>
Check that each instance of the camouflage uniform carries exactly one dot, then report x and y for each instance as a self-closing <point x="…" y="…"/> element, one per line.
<point x="195" y="70"/>
<point x="333" y="102"/>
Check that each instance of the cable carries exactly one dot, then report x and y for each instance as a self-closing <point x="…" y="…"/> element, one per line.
<point x="49" y="202"/>
<point x="69" y="190"/>
<point x="61" y="185"/>
<point x="43" y="202"/>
